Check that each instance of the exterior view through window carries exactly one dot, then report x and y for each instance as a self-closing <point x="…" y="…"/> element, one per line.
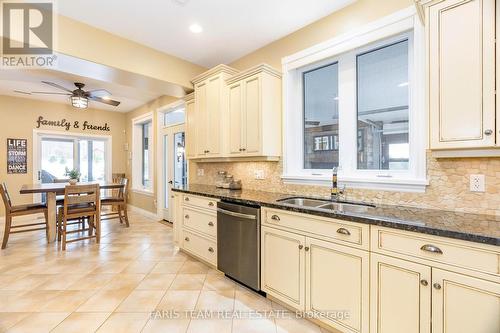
<point x="146" y="135"/>
<point x="321" y="117"/>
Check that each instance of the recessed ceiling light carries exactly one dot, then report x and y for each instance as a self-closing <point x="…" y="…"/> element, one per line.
<point x="195" y="28"/>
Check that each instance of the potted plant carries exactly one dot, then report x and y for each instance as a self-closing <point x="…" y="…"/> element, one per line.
<point x="74" y="176"/>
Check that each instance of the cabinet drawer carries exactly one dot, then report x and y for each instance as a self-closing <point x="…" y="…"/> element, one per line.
<point x="200" y="202"/>
<point x="199" y="246"/>
<point x="205" y="223"/>
<point x="462" y="254"/>
<point x="343" y="232"/>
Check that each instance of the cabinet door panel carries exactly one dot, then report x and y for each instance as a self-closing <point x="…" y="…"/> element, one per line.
<point x="235" y="118"/>
<point x="462" y="73"/>
<point x="283" y="264"/>
<point x="252" y="126"/>
<point x="338" y="280"/>
<point x="399" y="302"/>
<point x="464" y="304"/>
<point x="190" y="129"/>
<point x="201" y="121"/>
<point x="214" y="114"/>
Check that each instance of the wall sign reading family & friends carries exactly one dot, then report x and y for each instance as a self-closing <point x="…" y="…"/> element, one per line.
<point x="17" y="156"/>
<point x="67" y="125"/>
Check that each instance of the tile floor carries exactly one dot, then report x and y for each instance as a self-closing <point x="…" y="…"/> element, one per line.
<point x="130" y="282"/>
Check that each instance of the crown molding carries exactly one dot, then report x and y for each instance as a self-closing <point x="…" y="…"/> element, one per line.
<point x="214" y="71"/>
<point x="189" y="97"/>
<point x="261" y="68"/>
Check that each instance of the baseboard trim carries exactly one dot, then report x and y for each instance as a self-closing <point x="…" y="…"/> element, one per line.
<point x="143" y="212"/>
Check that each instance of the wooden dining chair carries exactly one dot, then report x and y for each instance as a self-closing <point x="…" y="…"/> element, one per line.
<point x="118" y="200"/>
<point x="20" y="210"/>
<point x="80" y="201"/>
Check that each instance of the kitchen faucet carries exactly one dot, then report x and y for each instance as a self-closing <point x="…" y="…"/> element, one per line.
<point x="336" y="192"/>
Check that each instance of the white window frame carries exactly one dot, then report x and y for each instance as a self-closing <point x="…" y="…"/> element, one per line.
<point x="137" y="154"/>
<point x="401" y="25"/>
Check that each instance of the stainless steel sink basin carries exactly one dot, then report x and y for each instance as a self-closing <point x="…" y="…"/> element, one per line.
<point x="326" y="204"/>
<point x="345" y="207"/>
<point x="304" y="202"/>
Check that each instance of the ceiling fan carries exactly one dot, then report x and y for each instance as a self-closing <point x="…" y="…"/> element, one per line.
<point x="79" y="97"/>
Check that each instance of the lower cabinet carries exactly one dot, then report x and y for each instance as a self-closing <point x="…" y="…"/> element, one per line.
<point x="405" y="296"/>
<point x="283" y="266"/>
<point x="462" y="303"/>
<point x="400" y="296"/>
<point x="328" y="280"/>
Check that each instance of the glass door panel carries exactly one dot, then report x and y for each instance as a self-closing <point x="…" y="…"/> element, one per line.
<point x="92" y="160"/>
<point x="180" y="164"/>
<point x="56" y="156"/>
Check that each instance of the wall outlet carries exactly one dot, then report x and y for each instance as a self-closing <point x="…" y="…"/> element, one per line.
<point x="477" y="183"/>
<point x="259" y="174"/>
<point x="201" y="172"/>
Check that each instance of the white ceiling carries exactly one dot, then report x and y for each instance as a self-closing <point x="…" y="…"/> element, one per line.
<point x="28" y="81"/>
<point x="232" y="28"/>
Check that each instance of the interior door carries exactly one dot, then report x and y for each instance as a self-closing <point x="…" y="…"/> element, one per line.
<point x="174" y="166"/>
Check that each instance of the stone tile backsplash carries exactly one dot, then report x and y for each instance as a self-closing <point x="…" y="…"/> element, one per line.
<point x="448" y="184"/>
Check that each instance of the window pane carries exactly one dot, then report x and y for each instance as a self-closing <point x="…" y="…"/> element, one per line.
<point x="321" y="117"/>
<point x="146" y="135"/>
<point x="382" y="79"/>
<point x="57" y="156"/>
<point x="174" y="117"/>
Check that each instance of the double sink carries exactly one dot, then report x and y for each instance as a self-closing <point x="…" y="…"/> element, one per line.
<point x="337" y="206"/>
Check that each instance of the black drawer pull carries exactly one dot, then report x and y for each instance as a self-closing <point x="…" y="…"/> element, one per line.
<point x="343" y="231"/>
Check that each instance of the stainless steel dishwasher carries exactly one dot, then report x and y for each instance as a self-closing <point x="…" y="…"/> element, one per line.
<point x="238" y="243"/>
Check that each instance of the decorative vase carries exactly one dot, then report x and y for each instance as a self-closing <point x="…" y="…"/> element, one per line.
<point x="73" y="181"/>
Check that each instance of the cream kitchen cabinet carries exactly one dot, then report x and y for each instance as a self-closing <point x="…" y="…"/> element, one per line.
<point x="254" y="111"/>
<point x="283" y="266"/>
<point x="461" y="73"/>
<point x="209" y="115"/>
<point x="325" y="278"/>
<point x="400" y="296"/>
<point x="190" y="126"/>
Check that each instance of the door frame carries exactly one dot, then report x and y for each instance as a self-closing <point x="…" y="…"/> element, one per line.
<point x="36" y="149"/>
<point x="162" y="168"/>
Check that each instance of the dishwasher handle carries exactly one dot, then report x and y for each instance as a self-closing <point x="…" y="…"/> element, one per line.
<point x="240" y="215"/>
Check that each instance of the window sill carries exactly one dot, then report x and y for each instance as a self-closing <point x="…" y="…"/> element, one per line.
<point x="148" y="193"/>
<point x="397" y="184"/>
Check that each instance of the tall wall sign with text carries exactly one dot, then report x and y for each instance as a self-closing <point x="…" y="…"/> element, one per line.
<point x="17" y="156"/>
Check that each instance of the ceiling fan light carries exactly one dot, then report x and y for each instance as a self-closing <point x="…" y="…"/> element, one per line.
<point x="79" y="102"/>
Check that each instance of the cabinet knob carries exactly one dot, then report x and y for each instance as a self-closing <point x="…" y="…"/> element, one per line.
<point x="437" y="286"/>
<point x="424" y="283"/>
<point x="186" y="239"/>
<point x="431" y="248"/>
<point x="186" y="199"/>
<point x="210" y="204"/>
<point x="211" y="224"/>
<point x="275" y="218"/>
<point x="186" y="216"/>
<point x="211" y="249"/>
<point x="306" y="248"/>
<point x="301" y="247"/>
<point x="343" y="231"/>
<point x="488" y="132"/>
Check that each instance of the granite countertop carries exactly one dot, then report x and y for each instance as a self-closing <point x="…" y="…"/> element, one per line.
<point x="470" y="227"/>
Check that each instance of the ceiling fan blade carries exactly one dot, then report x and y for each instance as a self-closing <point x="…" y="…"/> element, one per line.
<point x="50" y="93"/>
<point x="105" y="101"/>
<point x="98" y="93"/>
<point x="22" y="92"/>
<point x="55" y="85"/>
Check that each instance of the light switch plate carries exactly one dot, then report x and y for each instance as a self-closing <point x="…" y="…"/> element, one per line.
<point x="477" y="183"/>
<point x="259" y="174"/>
<point x="201" y="172"/>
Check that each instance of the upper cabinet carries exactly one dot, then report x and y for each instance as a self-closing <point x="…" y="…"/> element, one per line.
<point x="190" y="126"/>
<point x="236" y="115"/>
<point x="209" y="119"/>
<point x="254" y="108"/>
<point x="461" y="73"/>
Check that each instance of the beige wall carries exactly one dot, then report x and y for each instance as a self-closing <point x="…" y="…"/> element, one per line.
<point x="86" y="42"/>
<point x="355" y="15"/>
<point x="18" y="119"/>
<point x="143" y="201"/>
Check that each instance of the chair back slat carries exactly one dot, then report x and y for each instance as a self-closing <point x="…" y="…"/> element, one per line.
<point x="81" y="199"/>
<point x="81" y="194"/>
<point x="6" y="197"/>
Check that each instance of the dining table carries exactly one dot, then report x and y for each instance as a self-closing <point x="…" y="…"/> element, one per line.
<point x="51" y="190"/>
